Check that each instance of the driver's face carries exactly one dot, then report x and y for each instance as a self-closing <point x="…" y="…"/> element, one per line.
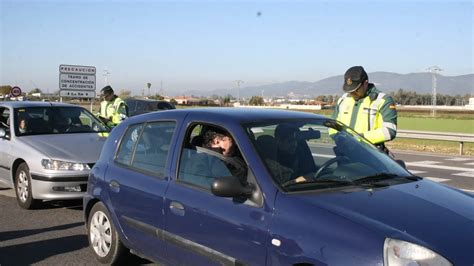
<point x="225" y="143"/>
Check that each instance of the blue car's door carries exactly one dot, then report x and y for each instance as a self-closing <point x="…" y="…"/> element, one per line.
<point x="204" y="229"/>
<point x="137" y="180"/>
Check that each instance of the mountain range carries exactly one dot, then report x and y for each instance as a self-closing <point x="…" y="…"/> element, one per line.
<point x="420" y="83"/>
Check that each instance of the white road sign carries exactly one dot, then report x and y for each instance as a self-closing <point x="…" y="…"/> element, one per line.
<point x="77" y="94"/>
<point x="77" y="81"/>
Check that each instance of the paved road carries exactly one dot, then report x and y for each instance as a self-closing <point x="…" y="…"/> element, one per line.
<point x="52" y="235"/>
<point x="455" y="171"/>
<point x="55" y="234"/>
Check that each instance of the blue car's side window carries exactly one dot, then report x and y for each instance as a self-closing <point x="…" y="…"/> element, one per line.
<point x="153" y="147"/>
<point x="127" y="145"/>
<point x="210" y="154"/>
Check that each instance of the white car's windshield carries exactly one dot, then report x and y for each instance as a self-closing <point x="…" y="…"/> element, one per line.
<point x="56" y="120"/>
<point x="321" y="153"/>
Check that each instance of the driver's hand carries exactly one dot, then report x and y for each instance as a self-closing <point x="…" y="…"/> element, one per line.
<point x="300" y="179"/>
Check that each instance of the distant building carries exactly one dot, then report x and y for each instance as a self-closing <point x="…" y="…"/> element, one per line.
<point x="470" y="106"/>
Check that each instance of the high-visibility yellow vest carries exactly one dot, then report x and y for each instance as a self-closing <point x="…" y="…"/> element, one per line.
<point x="374" y="116"/>
<point x="116" y="111"/>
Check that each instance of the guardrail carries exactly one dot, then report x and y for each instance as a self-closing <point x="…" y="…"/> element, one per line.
<point x="445" y="136"/>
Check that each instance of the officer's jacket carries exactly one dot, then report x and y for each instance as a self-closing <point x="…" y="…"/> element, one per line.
<point x="116" y="111"/>
<point x="374" y="116"/>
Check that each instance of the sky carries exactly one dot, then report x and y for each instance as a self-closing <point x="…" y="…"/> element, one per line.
<point x="204" y="45"/>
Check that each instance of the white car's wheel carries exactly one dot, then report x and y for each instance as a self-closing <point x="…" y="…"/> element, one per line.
<point x="23" y="187"/>
<point x="103" y="238"/>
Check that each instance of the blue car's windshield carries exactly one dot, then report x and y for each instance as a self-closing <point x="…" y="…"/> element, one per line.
<point x="319" y="153"/>
<point x="56" y="120"/>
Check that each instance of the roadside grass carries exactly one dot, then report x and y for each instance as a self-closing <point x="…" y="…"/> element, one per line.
<point x="436" y="124"/>
<point x="430" y="146"/>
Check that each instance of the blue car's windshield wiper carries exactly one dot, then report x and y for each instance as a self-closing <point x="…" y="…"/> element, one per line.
<point x="323" y="182"/>
<point x="382" y="176"/>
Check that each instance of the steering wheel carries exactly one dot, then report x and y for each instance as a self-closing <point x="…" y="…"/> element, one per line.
<point x="332" y="161"/>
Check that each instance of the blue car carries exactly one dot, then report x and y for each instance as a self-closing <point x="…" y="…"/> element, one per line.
<point x="266" y="187"/>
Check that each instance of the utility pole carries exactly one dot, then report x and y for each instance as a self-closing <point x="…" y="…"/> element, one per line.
<point x="434" y="70"/>
<point x="238" y="82"/>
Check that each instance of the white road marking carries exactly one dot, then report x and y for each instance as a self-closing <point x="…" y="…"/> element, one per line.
<point x="322" y="155"/>
<point x="459" y="159"/>
<point x="8" y="192"/>
<point x="437" y="179"/>
<point x="468" y="190"/>
<point x="415" y="172"/>
<point x="424" y="164"/>
<point x="469" y="163"/>
<point x="468" y="174"/>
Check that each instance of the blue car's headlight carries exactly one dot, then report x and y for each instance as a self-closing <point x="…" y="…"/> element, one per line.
<point x="61" y="165"/>
<point x="398" y="252"/>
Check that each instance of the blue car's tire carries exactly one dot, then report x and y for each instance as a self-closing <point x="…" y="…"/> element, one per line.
<point x="103" y="238"/>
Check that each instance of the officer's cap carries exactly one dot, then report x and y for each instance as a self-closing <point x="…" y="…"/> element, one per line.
<point x="353" y="78"/>
<point x="107" y="90"/>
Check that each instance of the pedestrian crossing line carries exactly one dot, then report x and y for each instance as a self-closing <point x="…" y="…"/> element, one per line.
<point x="467" y="174"/>
<point x="468" y="190"/>
<point x="427" y="162"/>
<point x="459" y="159"/>
<point x="437" y="179"/>
<point x="469" y="163"/>
<point x="415" y="172"/>
<point x="322" y="155"/>
<point x="443" y="167"/>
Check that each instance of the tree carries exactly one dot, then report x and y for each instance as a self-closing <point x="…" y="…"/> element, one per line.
<point x="227" y="99"/>
<point x="5" y="90"/>
<point x="256" y="100"/>
<point x="173" y="101"/>
<point x="35" y="90"/>
<point x="124" y="94"/>
<point x="157" y="97"/>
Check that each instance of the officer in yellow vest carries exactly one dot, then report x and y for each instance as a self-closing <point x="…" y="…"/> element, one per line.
<point x="368" y="111"/>
<point x="113" y="110"/>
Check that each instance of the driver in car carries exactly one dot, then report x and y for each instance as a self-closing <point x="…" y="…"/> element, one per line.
<point x="293" y="162"/>
<point x="223" y="143"/>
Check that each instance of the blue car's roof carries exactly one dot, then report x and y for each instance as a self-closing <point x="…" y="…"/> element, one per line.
<point x="22" y="104"/>
<point x="241" y="115"/>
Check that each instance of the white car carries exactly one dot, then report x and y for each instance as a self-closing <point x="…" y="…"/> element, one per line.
<point x="47" y="150"/>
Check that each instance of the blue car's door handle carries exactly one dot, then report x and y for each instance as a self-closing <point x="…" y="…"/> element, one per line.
<point x="114" y="186"/>
<point x="177" y="208"/>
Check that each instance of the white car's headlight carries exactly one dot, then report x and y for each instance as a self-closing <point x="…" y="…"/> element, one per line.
<point x="398" y="252"/>
<point x="61" y="165"/>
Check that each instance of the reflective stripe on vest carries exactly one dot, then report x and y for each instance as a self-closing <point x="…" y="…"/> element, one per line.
<point x="374" y="109"/>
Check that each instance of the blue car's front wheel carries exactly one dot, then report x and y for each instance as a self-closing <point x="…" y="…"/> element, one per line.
<point x="103" y="238"/>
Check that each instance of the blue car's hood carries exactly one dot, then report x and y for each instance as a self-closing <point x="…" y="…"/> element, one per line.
<point x="423" y="212"/>
<point x="73" y="147"/>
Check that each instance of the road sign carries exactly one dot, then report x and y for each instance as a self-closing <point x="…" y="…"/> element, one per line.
<point x="77" y="81"/>
<point x="15" y="91"/>
<point x="77" y="94"/>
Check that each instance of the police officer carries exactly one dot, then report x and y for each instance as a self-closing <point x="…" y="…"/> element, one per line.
<point x="113" y="110"/>
<point x="368" y="111"/>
